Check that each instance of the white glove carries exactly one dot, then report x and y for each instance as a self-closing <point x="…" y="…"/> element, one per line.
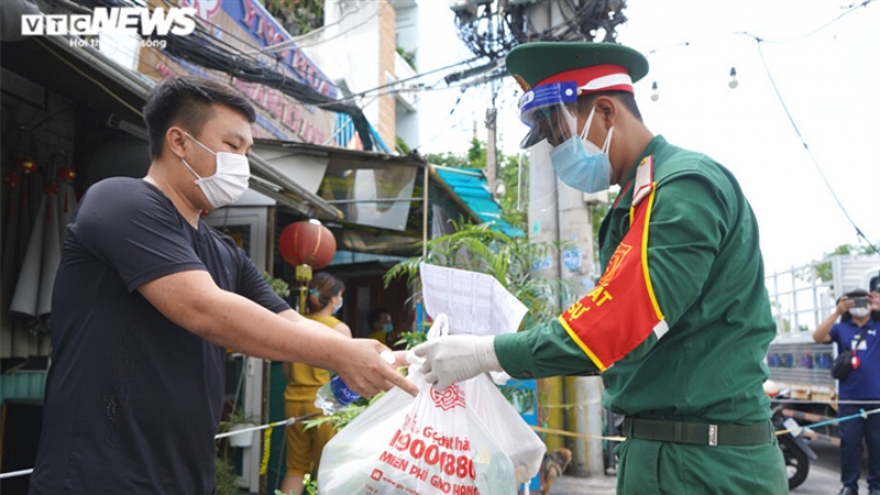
<point x="455" y="358"/>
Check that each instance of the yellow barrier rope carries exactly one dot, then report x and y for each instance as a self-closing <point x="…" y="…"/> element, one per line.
<point x="565" y="406"/>
<point x="564" y="433"/>
<point x="267" y="442"/>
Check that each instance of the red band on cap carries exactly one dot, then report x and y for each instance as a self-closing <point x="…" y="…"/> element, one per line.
<point x="583" y="75"/>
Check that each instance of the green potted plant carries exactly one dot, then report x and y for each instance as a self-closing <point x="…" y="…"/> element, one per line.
<point x="238" y="421"/>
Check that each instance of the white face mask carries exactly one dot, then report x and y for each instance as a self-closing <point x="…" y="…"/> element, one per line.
<point x="859" y="312"/>
<point x="229" y="181"/>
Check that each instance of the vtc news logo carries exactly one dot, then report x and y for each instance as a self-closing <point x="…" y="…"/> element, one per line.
<point x="112" y="20"/>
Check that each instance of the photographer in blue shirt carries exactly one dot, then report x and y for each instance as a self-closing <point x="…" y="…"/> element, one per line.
<point x="859" y="315"/>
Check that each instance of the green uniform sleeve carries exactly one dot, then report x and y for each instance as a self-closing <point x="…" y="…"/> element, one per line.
<point x="544" y="350"/>
<point x="689" y="222"/>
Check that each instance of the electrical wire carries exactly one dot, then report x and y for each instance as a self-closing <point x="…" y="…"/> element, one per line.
<point x="447" y="128"/>
<point x="338" y="100"/>
<point x="205" y="50"/>
<point x="297" y="39"/>
<point x="202" y="52"/>
<point x="247" y="42"/>
<point x="362" y="94"/>
<point x="90" y="78"/>
<point x="350" y="29"/>
<point x="200" y="27"/>
<point x="797" y="131"/>
<point x="852" y="8"/>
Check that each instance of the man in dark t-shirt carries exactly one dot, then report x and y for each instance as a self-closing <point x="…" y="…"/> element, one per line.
<point x="147" y="299"/>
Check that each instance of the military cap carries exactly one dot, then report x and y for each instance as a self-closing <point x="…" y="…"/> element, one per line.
<point x="594" y="67"/>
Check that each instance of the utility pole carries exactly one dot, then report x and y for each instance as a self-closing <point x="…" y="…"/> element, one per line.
<point x="491" y="156"/>
<point x="490" y="29"/>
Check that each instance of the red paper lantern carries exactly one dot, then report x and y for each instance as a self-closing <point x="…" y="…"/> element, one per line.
<point x="307" y="243"/>
<point x="13" y="179"/>
<point x="66" y="174"/>
<point x="27" y="165"/>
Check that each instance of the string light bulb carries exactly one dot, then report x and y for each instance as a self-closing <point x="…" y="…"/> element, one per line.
<point x="654" y="95"/>
<point x="733" y="82"/>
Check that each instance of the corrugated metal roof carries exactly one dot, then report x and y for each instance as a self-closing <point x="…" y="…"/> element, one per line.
<point x="471" y="186"/>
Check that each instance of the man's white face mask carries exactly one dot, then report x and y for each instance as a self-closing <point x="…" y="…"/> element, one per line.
<point x="229" y="181"/>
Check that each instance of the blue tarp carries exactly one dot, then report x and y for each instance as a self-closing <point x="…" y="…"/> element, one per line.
<point x="472" y="187"/>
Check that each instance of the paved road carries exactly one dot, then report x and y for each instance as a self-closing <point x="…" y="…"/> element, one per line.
<point x="824" y="479"/>
<point x="824" y="475"/>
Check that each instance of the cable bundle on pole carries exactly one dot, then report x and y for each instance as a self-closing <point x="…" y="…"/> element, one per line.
<point x="200" y="49"/>
<point x="203" y="49"/>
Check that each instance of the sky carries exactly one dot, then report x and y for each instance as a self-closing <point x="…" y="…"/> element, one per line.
<point x="828" y="79"/>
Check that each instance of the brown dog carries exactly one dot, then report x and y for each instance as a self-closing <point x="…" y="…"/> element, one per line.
<point x="552" y="466"/>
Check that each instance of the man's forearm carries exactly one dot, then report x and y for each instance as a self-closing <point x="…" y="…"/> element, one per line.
<point x="240" y="324"/>
<point x="192" y="300"/>
<point x="824" y="328"/>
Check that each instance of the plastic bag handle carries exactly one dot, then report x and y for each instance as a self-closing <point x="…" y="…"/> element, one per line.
<point x="439" y="328"/>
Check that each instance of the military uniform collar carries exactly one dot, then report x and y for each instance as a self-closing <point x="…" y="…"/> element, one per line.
<point x="624" y="198"/>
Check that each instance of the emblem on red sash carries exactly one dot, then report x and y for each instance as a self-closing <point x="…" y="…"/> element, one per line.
<point x="621" y="311"/>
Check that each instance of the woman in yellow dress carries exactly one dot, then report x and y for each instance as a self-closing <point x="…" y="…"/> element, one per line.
<point x="303" y="381"/>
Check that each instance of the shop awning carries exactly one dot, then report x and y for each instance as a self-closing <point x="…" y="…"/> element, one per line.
<point x="84" y="74"/>
<point x="381" y="196"/>
<point x="471" y="186"/>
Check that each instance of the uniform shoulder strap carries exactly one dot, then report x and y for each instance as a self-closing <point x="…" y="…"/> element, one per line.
<point x="644" y="180"/>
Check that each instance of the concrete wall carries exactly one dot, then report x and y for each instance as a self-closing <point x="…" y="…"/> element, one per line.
<point x="348" y="48"/>
<point x="408" y="19"/>
<point x="387" y="123"/>
<point x="359" y="46"/>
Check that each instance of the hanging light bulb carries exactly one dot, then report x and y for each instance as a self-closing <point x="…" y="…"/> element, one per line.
<point x="654" y="95"/>
<point x="733" y="82"/>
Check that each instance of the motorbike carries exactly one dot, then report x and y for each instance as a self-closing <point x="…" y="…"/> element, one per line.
<point x="794" y="445"/>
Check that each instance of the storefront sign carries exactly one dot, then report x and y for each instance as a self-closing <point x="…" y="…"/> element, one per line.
<point x="244" y="24"/>
<point x="258" y="23"/>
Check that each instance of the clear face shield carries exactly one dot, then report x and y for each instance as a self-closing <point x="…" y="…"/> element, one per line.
<point x="550" y="111"/>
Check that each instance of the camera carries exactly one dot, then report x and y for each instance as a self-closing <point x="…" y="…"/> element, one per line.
<point x="860" y="302"/>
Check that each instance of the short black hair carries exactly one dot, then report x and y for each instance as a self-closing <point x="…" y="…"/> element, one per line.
<point x="373" y="316"/>
<point x="187" y="101"/>
<point x="625" y="97"/>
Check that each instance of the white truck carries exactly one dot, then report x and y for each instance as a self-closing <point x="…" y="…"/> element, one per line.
<point x="801" y="298"/>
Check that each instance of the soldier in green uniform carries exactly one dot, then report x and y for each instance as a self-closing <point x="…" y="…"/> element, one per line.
<point x="679" y="322"/>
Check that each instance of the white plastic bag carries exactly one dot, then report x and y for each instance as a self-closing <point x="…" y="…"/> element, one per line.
<point x="431" y="444"/>
<point x="516" y="439"/>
